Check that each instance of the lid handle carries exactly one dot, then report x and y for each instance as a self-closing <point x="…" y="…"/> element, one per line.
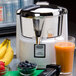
<point x="42" y="2"/>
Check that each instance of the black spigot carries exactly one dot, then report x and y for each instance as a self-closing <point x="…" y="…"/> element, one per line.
<point x="51" y="70"/>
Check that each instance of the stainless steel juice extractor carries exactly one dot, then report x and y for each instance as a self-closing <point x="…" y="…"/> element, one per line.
<point x="39" y="27"/>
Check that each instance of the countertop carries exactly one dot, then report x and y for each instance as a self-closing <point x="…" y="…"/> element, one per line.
<point x="13" y="65"/>
<point x="14" y="62"/>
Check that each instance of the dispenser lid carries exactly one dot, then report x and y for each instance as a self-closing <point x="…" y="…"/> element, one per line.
<point x="42" y="10"/>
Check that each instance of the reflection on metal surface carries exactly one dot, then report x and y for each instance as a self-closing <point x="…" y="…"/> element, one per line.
<point x="66" y="75"/>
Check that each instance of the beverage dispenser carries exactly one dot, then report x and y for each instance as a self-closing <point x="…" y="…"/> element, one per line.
<point x="39" y="27"/>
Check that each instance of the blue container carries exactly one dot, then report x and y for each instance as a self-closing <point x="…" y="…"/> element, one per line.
<point x="25" y="3"/>
<point x="16" y="6"/>
<point x="9" y="11"/>
<point x="2" y="12"/>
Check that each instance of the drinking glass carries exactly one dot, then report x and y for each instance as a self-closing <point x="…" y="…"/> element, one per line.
<point x="72" y="39"/>
<point x="65" y="55"/>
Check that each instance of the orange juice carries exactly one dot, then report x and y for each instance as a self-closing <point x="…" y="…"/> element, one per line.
<point x="50" y="35"/>
<point x="64" y="55"/>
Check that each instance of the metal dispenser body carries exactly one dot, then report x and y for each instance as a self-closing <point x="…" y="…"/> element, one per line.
<point x="39" y="27"/>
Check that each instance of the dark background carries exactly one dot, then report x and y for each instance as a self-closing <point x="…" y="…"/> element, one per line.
<point x="71" y="6"/>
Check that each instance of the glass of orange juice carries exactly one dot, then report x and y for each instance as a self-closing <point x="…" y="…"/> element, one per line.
<point x="65" y="56"/>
